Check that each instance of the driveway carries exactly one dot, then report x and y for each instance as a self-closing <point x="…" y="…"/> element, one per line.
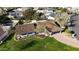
<point x="62" y="37"/>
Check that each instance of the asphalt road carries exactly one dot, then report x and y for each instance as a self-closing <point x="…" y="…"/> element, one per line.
<point x="75" y="26"/>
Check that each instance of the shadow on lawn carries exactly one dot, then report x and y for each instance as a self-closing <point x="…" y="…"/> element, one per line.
<point x="8" y="38"/>
<point x="32" y="43"/>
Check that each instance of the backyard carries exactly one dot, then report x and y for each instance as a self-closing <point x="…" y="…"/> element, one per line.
<point x="34" y="43"/>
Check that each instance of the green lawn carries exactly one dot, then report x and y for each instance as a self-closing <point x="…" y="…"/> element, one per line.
<point x="35" y="43"/>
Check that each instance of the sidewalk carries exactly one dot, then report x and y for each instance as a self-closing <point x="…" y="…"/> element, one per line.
<point x="62" y="37"/>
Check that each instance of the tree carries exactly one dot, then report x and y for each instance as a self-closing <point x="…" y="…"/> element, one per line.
<point x="21" y="20"/>
<point x="28" y="13"/>
<point x="64" y="10"/>
<point x="35" y="16"/>
<point x="62" y="19"/>
<point x="57" y="8"/>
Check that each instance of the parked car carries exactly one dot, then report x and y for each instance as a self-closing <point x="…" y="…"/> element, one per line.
<point x="73" y="34"/>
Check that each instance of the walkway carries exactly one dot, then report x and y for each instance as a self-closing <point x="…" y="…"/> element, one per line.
<point x="62" y="37"/>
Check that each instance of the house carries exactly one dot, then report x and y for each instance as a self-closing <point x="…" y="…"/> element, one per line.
<point x="1" y="11"/>
<point x="24" y="30"/>
<point x="3" y="34"/>
<point x="6" y="30"/>
<point x="16" y="13"/>
<point x="49" y="13"/>
<point x="36" y="8"/>
<point x="73" y="9"/>
<point x="50" y="18"/>
<point x="40" y="11"/>
<point x="43" y="27"/>
<point x="9" y="24"/>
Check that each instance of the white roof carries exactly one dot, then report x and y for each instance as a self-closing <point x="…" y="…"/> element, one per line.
<point x="10" y="16"/>
<point x="49" y="11"/>
<point x="6" y="28"/>
<point x="18" y="9"/>
<point x="47" y="14"/>
<point x="15" y="22"/>
<point x="35" y="8"/>
<point x="34" y="21"/>
<point x="40" y="11"/>
<point x="50" y="17"/>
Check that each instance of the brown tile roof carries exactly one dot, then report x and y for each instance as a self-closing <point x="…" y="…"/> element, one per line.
<point x="1" y="31"/>
<point x="52" y="27"/>
<point x="40" y="26"/>
<point x="25" y="28"/>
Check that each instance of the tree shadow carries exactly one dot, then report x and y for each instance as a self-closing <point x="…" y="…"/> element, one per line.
<point x="8" y="38"/>
<point x="32" y="43"/>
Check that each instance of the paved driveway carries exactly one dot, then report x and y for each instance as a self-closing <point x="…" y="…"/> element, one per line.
<point x="62" y="37"/>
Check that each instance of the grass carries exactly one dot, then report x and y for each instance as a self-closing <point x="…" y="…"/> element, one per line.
<point x="35" y="43"/>
<point x="11" y="44"/>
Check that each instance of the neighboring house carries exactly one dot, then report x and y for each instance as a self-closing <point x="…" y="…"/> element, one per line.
<point x="73" y="9"/>
<point x="1" y="11"/>
<point x="50" y="18"/>
<point x="48" y="13"/>
<point x="6" y="30"/>
<point x="3" y="34"/>
<point x="40" y="11"/>
<point x="16" y="13"/>
<point x="36" y="8"/>
<point x="9" y="24"/>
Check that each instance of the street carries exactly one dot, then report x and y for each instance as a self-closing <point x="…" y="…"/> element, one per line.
<point x="75" y="28"/>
